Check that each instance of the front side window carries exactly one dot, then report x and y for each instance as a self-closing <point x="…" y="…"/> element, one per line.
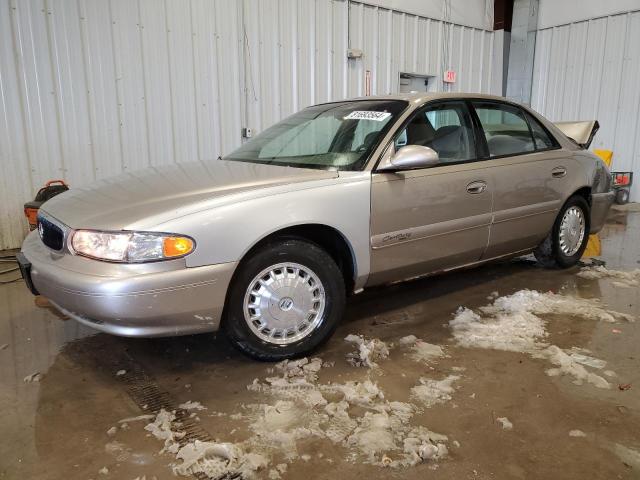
<point x="505" y="129"/>
<point x="338" y="136"/>
<point x="446" y="128"/>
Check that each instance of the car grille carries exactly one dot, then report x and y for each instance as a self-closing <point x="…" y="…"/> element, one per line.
<point x="50" y="233"/>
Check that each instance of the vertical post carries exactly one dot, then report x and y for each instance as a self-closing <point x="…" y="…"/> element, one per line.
<point x="522" y="50"/>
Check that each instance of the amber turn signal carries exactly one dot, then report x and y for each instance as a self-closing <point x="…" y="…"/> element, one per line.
<point x="176" y="246"/>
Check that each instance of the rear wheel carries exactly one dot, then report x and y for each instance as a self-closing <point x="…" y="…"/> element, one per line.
<point x="285" y="300"/>
<point x="568" y="238"/>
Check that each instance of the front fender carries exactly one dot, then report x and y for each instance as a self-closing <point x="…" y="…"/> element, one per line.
<point x="226" y="233"/>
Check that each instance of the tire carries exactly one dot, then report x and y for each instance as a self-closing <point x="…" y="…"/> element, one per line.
<point x="552" y="253"/>
<point x="306" y="266"/>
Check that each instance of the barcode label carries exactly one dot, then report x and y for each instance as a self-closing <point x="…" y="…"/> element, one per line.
<point x="368" y="115"/>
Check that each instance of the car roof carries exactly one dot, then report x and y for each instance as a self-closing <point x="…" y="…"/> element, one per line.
<point x="421" y="97"/>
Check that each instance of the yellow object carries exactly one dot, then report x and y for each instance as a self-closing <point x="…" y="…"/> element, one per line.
<point x="176" y="246"/>
<point x="594" y="247"/>
<point x="605" y="155"/>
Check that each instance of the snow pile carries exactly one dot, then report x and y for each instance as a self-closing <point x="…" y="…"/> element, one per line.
<point x="421" y="351"/>
<point x="216" y="460"/>
<point x="296" y="380"/>
<point x="430" y="392"/>
<point x="353" y="414"/>
<point x="278" y="428"/>
<point x="512" y="323"/>
<point x="369" y="351"/>
<point x="513" y="332"/>
<point x="531" y="301"/>
<point x="420" y="445"/>
<point x="210" y="458"/>
<point x="163" y="429"/>
<point x="298" y="409"/>
<point x="386" y="438"/>
<point x="300" y="369"/>
<point x="621" y="278"/>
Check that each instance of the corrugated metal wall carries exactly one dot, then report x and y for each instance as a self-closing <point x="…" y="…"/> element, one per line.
<point x="588" y="70"/>
<point x="91" y="88"/>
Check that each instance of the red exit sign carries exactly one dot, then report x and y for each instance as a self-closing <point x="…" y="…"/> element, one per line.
<point x="450" y="76"/>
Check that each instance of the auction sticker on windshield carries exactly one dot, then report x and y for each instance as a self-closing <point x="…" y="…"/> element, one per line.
<point x="368" y="115"/>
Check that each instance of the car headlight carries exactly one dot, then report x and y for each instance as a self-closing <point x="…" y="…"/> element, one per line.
<point x="130" y="246"/>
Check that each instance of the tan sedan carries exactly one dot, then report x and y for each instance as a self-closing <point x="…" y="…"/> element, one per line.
<point x="268" y="242"/>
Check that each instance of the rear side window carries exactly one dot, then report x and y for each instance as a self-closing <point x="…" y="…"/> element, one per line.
<point x="505" y="128"/>
<point x="541" y="138"/>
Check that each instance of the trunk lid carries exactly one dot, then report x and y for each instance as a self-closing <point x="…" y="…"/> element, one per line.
<point x="581" y="132"/>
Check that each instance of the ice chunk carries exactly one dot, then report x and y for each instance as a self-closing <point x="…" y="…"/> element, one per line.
<point x="622" y="278"/>
<point x="425" y="352"/>
<point x="421" y="351"/>
<point x="408" y="340"/>
<point x="628" y="455"/>
<point x="136" y="419"/>
<point x="577" y="433"/>
<point x="578" y="356"/>
<point x="118" y="450"/>
<point x="33" y="378"/>
<point x="191" y="405"/>
<point x="566" y="365"/>
<point x="506" y="424"/>
<point x="369" y="351"/>
<point x="430" y="392"/>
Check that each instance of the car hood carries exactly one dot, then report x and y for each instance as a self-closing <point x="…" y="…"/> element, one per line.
<point x="146" y="197"/>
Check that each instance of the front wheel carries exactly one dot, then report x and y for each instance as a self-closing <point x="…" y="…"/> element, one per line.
<point x="285" y="300"/>
<point x="568" y="238"/>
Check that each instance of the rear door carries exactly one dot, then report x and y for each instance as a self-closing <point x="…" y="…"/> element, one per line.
<point x="530" y="174"/>
<point x="435" y="218"/>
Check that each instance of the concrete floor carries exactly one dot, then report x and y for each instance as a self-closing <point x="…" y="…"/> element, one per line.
<point x="56" y="428"/>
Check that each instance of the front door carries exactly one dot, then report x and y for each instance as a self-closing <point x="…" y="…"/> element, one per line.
<point x="436" y="218"/>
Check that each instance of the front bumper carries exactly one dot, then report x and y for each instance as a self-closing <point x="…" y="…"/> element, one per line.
<point x="133" y="300"/>
<point x="600" y="205"/>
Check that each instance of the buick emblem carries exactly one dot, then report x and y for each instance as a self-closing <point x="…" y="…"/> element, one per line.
<point x="286" y="304"/>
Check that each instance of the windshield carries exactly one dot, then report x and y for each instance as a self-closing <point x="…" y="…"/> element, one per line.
<point x="338" y="136"/>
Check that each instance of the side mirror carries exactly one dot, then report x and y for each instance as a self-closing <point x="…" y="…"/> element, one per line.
<point x="412" y="156"/>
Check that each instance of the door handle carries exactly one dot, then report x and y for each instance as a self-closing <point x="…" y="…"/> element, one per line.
<point x="476" y="187"/>
<point x="558" y="172"/>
